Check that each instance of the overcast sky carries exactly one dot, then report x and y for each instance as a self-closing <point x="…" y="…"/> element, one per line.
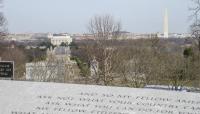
<point x="72" y="16"/>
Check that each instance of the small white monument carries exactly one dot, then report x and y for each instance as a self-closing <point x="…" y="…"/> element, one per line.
<point x="94" y="66"/>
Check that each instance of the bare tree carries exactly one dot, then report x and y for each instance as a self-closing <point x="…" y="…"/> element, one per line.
<point x="104" y="27"/>
<point x="195" y="27"/>
<point x="3" y="23"/>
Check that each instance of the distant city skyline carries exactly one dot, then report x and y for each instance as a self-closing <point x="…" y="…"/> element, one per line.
<point x="72" y="16"/>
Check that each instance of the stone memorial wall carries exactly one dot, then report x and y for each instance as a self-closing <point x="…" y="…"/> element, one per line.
<point x="6" y="69"/>
<point x="18" y="97"/>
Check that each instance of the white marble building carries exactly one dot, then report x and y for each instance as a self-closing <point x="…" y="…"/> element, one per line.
<point x="57" y="39"/>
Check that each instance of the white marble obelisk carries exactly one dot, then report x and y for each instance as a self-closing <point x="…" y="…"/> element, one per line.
<point x="166" y="27"/>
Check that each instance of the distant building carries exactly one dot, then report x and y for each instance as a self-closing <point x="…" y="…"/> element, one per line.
<point x="19" y="37"/>
<point x="137" y="35"/>
<point x="27" y="37"/>
<point x="175" y="35"/>
<point x="57" y="39"/>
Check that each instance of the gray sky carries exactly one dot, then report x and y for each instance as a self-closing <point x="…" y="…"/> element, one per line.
<point x="72" y="16"/>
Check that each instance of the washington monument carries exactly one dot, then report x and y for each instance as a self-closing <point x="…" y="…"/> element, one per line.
<point x="166" y="29"/>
